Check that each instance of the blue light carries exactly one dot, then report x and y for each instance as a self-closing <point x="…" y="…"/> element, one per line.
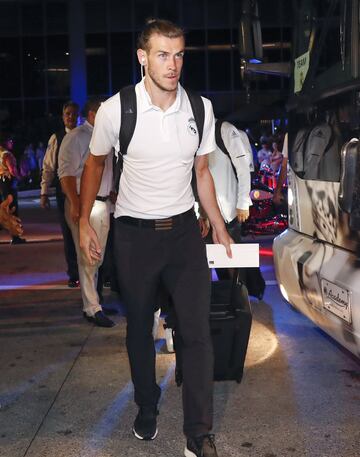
<point x="254" y="61"/>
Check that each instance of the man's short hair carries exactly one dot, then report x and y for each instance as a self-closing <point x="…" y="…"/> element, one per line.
<point x="158" y="26"/>
<point x="92" y="104"/>
<point x="71" y="104"/>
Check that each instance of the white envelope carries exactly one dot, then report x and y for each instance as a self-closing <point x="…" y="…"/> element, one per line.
<point x="243" y="255"/>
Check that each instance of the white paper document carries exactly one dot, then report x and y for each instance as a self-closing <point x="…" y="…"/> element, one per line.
<point x="243" y="255"/>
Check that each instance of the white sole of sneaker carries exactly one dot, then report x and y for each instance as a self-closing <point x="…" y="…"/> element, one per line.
<point x="145" y="439"/>
<point x="188" y="453"/>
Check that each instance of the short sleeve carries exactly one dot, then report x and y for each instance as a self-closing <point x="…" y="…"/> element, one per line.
<point x="106" y="128"/>
<point x="208" y="140"/>
<point x="69" y="155"/>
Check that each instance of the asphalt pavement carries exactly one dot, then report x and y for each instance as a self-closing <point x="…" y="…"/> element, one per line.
<point x="65" y="388"/>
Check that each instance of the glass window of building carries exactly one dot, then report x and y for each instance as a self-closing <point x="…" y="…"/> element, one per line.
<point x="10" y="74"/>
<point x="97" y="64"/>
<point x="58" y="70"/>
<point x="33" y="66"/>
<point x="57" y="17"/>
<point x="9" y="18"/>
<point x="122" y="60"/>
<point x="32" y="18"/>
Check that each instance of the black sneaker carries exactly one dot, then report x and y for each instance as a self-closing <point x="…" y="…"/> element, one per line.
<point x="73" y="283"/>
<point x="18" y="240"/>
<point x="201" y="446"/>
<point x="145" y="427"/>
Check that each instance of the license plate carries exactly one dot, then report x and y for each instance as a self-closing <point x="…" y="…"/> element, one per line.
<point x="336" y="299"/>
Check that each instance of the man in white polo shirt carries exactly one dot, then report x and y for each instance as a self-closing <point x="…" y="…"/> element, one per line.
<point x="73" y="153"/>
<point x="156" y="232"/>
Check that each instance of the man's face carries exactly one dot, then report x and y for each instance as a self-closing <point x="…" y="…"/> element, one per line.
<point x="70" y="115"/>
<point x="9" y="144"/>
<point x="164" y="61"/>
<point x="91" y="117"/>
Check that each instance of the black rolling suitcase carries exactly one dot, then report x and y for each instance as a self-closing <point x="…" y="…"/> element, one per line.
<point x="230" y="324"/>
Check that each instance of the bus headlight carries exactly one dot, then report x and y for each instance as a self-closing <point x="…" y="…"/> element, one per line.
<point x="283" y="292"/>
<point x="290" y="197"/>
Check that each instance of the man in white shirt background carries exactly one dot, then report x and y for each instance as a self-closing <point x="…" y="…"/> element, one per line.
<point x="73" y="153"/>
<point x="49" y="178"/>
<point x="232" y="179"/>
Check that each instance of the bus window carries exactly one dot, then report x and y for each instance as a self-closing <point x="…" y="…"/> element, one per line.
<point x="316" y="138"/>
<point x="325" y="31"/>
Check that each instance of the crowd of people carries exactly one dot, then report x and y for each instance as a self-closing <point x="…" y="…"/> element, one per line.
<point x="157" y="240"/>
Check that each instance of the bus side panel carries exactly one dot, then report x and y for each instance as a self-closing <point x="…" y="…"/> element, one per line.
<point x="323" y="282"/>
<point x="314" y="211"/>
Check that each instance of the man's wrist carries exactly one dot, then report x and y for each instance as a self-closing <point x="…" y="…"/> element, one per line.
<point x="83" y="220"/>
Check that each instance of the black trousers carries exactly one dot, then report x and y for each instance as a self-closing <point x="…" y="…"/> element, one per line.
<point x="69" y="246"/>
<point x="144" y="257"/>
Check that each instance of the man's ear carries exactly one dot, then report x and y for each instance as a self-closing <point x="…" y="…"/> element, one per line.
<point x="141" y="55"/>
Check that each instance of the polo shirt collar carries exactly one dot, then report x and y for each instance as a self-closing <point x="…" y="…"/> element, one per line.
<point x="88" y="125"/>
<point x="145" y="103"/>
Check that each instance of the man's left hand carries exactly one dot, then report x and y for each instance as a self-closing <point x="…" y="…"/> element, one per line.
<point x="242" y="214"/>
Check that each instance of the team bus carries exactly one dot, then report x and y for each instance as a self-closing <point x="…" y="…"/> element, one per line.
<point x="317" y="259"/>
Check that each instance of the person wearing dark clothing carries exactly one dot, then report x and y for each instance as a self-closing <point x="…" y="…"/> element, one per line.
<point x="49" y="178"/>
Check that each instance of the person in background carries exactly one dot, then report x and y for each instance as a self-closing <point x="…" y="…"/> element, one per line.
<point x="265" y="152"/>
<point x="39" y="155"/>
<point x="70" y="114"/>
<point x="278" y="197"/>
<point x="232" y="179"/>
<point x="29" y="153"/>
<point x="73" y="153"/>
<point x="9" y="177"/>
<point x="276" y="156"/>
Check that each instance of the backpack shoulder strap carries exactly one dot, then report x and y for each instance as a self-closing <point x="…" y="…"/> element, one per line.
<point x="128" y="117"/>
<point x="198" y="109"/>
<point x="127" y="98"/>
<point x="221" y="145"/>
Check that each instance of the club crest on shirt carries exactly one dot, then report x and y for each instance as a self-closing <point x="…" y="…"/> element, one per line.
<point x="191" y="127"/>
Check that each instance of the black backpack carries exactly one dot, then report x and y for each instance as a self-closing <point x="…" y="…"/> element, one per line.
<point x="128" y="123"/>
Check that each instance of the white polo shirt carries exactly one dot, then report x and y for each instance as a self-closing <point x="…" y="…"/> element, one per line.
<point x="156" y="180"/>
<point x="74" y="151"/>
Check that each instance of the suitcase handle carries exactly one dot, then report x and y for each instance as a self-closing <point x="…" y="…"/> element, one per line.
<point x="239" y="297"/>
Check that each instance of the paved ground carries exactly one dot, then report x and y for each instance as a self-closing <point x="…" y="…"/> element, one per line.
<point x="65" y="388"/>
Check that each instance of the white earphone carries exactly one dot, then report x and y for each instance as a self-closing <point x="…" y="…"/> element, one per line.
<point x="142" y="66"/>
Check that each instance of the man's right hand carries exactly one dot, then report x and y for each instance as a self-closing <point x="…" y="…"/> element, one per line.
<point x="89" y="242"/>
<point x="44" y="202"/>
<point x="204" y="226"/>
